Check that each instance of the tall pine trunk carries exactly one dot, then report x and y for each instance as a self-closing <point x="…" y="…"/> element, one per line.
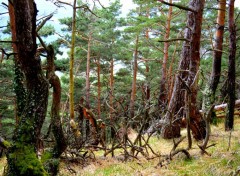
<point x="71" y="76"/>
<point x="195" y="23"/>
<point x="162" y="101"/>
<point x="99" y="87"/>
<point x="231" y="68"/>
<point x="218" y="46"/>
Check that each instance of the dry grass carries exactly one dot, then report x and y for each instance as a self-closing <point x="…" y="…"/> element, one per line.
<point x="3" y="163"/>
<point x="223" y="161"/>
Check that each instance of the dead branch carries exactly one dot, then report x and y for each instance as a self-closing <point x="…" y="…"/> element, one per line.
<point x="5" y="53"/>
<point x="3" y="13"/>
<point x="178" y="6"/>
<point x="223" y="106"/>
<point x="173" y="152"/>
<point x="207" y="118"/>
<point x="86" y="8"/>
<point x="112" y="149"/>
<point x="173" y="40"/>
<point x="61" y="2"/>
<point x="7" y="41"/>
<point x="44" y="21"/>
<point x="101" y="4"/>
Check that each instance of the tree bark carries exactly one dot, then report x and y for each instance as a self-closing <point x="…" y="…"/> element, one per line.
<point x="210" y="90"/>
<point x="231" y="68"/>
<point x="71" y="79"/>
<point x="19" y="87"/>
<point x="51" y="158"/>
<point x="71" y="66"/>
<point x="218" y="46"/>
<point x="60" y="140"/>
<point x="162" y="101"/>
<point x="22" y="158"/>
<point x="88" y="72"/>
<point x="111" y="84"/>
<point x="195" y="23"/>
<point x="190" y="58"/>
<point x="99" y="87"/>
<point x="87" y="127"/>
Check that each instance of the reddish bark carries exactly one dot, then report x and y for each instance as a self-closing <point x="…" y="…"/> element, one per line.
<point x="218" y="46"/>
<point x="162" y="101"/>
<point x="190" y="58"/>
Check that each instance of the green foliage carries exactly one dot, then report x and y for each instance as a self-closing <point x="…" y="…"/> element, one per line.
<point x="46" y="30"/>
<point x="6" y="98"/>
<point x="51" y="164"/>
<point x="62" y="65"/>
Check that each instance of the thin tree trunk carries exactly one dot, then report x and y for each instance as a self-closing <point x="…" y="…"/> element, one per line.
<point x="99" y="87"/>
<point x="88" y="72"/>
<point x="60" y="140"/>
<point x="56" y="102"/>
<point x="231" y="68"/>
<point x="162" y="101"/>
<point x="171" y="78"/>
<point x="71" y="79"/>
<point x="134" y="82"/>
<point x="209" y="92"/>
<point x="111" y="84"/>
<point x="147" y="88"/>
<point x="89" y="131"/>
<point x="218" y="46"/>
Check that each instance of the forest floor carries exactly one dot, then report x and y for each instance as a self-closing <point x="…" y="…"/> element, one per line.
<point x="224" y="159"/>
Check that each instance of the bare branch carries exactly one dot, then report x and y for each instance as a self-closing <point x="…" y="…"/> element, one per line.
<point x="85" y="7"/>
<point x="44" y="21"/>
<point x="178" y="6"/>
<point x="173" y="40"/>
<point x="101" y="4"/>
<point x="7" y="41"/>
<point x="42" y="42"/>
<point x="5" y="53"/>
<point x="5" y="5"/>
<point x="3" y="13"/>
<point x="61" y="2"/>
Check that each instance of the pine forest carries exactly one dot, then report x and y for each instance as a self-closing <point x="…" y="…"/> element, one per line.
<point x="119" y="87"/>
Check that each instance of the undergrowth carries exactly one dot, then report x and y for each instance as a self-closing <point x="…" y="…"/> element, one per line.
<point x="223" y="159"/>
